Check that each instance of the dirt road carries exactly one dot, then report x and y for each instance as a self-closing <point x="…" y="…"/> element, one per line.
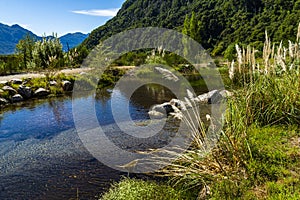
<point x="38" y="75"/>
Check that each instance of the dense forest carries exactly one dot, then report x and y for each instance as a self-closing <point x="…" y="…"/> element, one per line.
<point x="219" y="24"/>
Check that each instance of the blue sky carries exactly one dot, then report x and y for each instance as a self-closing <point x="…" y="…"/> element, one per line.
<point x="58" y="16"/>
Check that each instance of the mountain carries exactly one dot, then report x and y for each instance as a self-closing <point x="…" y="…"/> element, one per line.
<point x="72" y="40"/>
<point x="219" y="24"/>
<point x="10" y="36"/>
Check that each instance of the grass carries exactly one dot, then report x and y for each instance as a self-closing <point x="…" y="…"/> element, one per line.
<point x="132" y="189"/>
<point x="37" y="83"/>
<point x="258" y="153"/>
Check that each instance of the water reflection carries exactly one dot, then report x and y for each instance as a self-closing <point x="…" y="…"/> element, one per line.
<point x="151" y="94"/>
<point x="38" y="143"/>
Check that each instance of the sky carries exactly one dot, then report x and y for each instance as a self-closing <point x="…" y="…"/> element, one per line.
<point x="44" y="17"/>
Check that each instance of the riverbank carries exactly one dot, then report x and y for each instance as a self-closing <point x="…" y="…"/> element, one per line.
<point x="258" y="153"/>
<point x="24" y="87"/>
<point x="42" y="75"/>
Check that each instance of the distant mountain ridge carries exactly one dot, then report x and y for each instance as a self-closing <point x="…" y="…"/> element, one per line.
<point x="10" y="36"/>
<point x="72" y="40"/>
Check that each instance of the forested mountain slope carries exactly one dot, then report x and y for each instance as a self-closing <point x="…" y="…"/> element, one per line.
<point x="219" y="23"/>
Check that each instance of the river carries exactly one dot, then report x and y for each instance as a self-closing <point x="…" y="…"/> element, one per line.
<point x="41" y="155"/>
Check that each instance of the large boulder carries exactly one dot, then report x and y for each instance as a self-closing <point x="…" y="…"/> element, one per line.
<point x="16" y="81"/>
<point x="26" y="92"/>
<point x="174" y="106"/>
<point x="3" y="101"/>
<point x="162" y="110"/>
<point x="11" y="90"/>
<point x="17" y="98"/>
<point x="41" y="92"/>
<point x="211" y="97"/>
<point x="215" y="97"/>
<point x="178" y="103"/>
<point x="67" y="85"/>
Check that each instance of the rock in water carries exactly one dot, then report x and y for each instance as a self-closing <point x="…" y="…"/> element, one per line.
<point x="17" y="98"/>
<point x="26" y="92"/>
<point x="67" y="85"/>
<point x="41" y="92"/>
<point x="162" y="110"/>
<point x="3" y="101"/>
<point x="215" y="97"/>
<point x="174" y="106"/>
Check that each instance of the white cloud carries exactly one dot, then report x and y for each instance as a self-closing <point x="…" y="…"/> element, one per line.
<point x="99" y="13"/>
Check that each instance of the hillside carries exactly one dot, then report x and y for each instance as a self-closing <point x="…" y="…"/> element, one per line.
<point x="10" y="36"/>
<point x="71" y="40"/>
<point x="219" y="23"/>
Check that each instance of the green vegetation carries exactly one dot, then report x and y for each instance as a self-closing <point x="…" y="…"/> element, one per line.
<point x="11" y="35"/>
<point x="40" y="55"/>
<point x="110" y="77"/>
<point x="257" y="155"/>
<point x="216" y="24"/>
<point x="131" y="189"/>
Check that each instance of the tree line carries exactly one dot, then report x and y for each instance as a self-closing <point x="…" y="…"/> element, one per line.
<point x="36" y="55"/>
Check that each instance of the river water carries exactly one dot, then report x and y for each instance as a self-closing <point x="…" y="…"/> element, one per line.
<point x="41" y="155"/>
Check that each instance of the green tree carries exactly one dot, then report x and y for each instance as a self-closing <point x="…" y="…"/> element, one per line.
<point x="24" y="49"/>
<point x="48" y="52"/>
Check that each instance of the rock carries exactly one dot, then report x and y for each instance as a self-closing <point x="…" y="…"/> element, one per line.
<point x="168" y="75"/>
<point x="177" y="103"/>
<point x="41" y="92"/>
<point x="225" y="94"/>
<point x="212" y="97"/>
<point x="162" y="110"/>
<point x="53" y="83"/>
<point x="207" y="97"/>
<point x="215" y="97"/>
<point x="16" y="81"/>
<point x="156" y="115"/>
<point x="27" y="80"/>
<point x="3" y="101"/>
<point x="11" y="90"/>
<point x="3" y="82"/>
<point x="82" y="73"/>
<point x="26" y="92"/>
<point x="17" y="98"/>
<point x="174" y="106"/>
<point x="67" y="85"/>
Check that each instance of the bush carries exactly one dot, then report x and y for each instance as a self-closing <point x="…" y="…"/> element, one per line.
<point x="133" y="189"/>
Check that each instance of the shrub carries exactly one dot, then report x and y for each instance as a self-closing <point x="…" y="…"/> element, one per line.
<point x="133" y="189"/>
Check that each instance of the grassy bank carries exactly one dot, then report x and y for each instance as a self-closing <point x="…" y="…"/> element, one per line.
<point x="258" y="153"/>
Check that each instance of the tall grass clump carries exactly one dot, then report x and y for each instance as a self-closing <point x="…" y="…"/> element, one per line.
<point x="254" y="146"/>
<point x="256" y="155"/>
<point x="133" y="189"/>
<point x="271" y="89"/>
